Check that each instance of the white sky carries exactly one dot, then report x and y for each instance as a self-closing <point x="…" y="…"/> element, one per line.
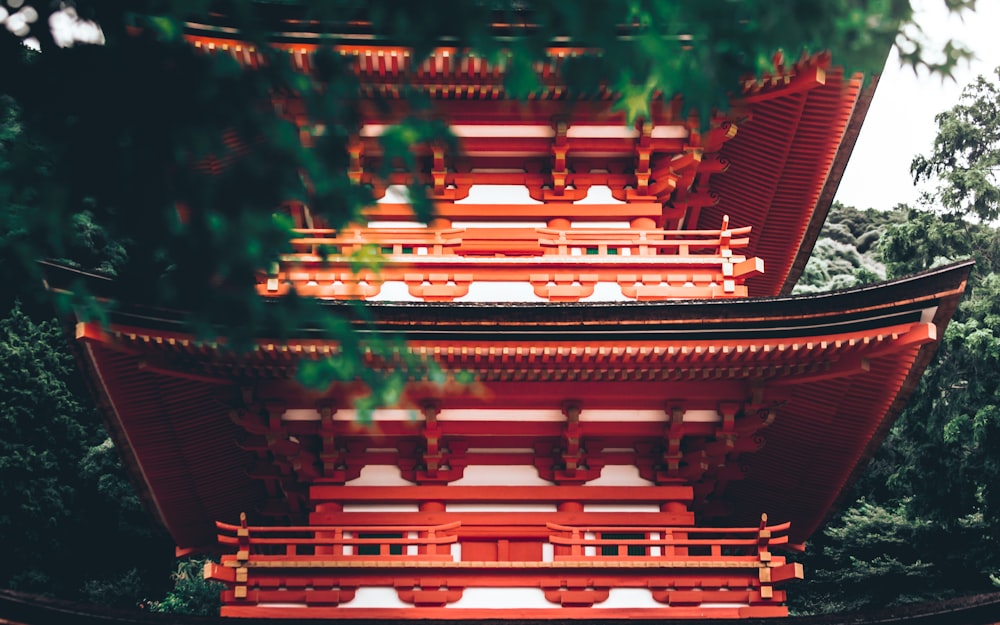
<point x="900" y="123"/>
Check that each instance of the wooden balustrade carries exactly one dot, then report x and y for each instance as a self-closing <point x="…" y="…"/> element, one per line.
<point x="513" y="241"/>
<point x="730" y="544"/>
<point x="687" y="571"/>
<point x="560" y="264"/>
<point x="260" y="543"/>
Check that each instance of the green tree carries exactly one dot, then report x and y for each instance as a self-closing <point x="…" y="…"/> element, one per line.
<point x="965" y="160"/>
<point x="848" y="250"/>
<point x="192" y="593"/>
<point x="70" y="523"/>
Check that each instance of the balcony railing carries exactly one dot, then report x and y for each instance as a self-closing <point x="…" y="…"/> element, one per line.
<point x="560" y="264"/>
<point x="731" y="546"/>
<point x="685" y="571"/>
<point x="263" y="543"/>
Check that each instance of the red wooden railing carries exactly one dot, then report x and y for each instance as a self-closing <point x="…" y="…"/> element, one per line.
<point x="729" y="544"/>
<point x="560" y="264"/>
<point x="342" y="541"/>
<point x="689" y="572"/>
<point x="700" y="244"/>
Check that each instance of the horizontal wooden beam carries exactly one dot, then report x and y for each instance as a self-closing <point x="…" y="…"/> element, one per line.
<point x="499" y="494"/>
<point x="502" y="524"/>
<point x="578" y="212"/>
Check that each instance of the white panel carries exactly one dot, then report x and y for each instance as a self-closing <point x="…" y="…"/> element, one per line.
<point x="456" y="552"/>
<point x="396" y="224"/>
<point x="509" y="130"/>
<point x="500" y="507"/>
<point x="702" y="416"/>
<point x="612" y="225"/>
<point x="395" y="194"/>
<point x="612" y="131"/>
<point x="372" y="130"/>
<point x="412" y="550"/>
<point x="375" y="597"/>
<point x="300" y="414"/>
<point x="599" y="194"/>
<point x="589" y="550"/>
<point x="655" y="550"/>
<point x="623" y="415"/>
<point x="382" y="507"/>
<point x="630" y="598"/>
<point x="621" y="507"/>
<point x="348" y="549"/>
<point x="548" y="552"/>
<point x="499" y="450"/>
<point x="484" y="475"/>
<point x="670" y="132"/>
<point x="502" y="598"/>
<point x="379" y="475"/>
<point x="469" y="225"/>
<point x="500" y="292"/>
<point x="487" y="414"/>
<point x="606" y="292"/>
<point x="394" y="291"/>
<point x="498" y="194"/>
<point x="620" y="475"/>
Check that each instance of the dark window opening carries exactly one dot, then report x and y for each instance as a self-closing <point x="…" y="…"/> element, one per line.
<point x="374" y="550"/>
<point x="631" y="550"/>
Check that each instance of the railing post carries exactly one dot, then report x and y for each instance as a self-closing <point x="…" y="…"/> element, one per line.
<point x="243" y="544"/>
<point x="431" y="545"/>
<point x="764" y="573"/>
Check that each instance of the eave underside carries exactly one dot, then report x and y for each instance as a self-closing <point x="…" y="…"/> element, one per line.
<point x="780" y="163"/>
<point x="835" y="368"/>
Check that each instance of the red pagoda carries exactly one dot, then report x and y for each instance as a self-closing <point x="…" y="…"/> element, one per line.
<point x="638" y="420"/>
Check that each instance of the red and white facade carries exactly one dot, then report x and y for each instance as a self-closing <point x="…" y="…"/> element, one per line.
<point x="631" y="422"/>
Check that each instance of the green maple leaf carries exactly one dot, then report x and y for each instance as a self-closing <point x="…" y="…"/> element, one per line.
<point x="634" y="99"/>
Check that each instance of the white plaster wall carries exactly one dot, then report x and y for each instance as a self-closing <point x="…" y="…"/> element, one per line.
<point x="620" y="475"/>
<point x="379" y="475"/>
<point x="503" y="598"/>
<point x="395" y="194"/>
<point x="394" y="291"/>
<point x="498" y="194"/>
<point x="500" y="292"/>
<point x="620" y="507"/>
<point x="500" y="507"/>
<point x="629" y="598"/>
<point x="486" y="475"/>
<point x="381" y="507"/>
<point x="606" y="292"/>
<point x="598" y="194"/>
<point x="376" y="597"/>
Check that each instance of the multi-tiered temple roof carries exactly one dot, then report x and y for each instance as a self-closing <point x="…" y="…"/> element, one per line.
<point x="635" y="414"/>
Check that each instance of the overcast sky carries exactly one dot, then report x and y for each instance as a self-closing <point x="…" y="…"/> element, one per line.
<point x="900" y="123"/>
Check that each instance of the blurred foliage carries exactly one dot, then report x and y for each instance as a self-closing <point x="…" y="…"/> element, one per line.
<point x="171" y="162"/>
